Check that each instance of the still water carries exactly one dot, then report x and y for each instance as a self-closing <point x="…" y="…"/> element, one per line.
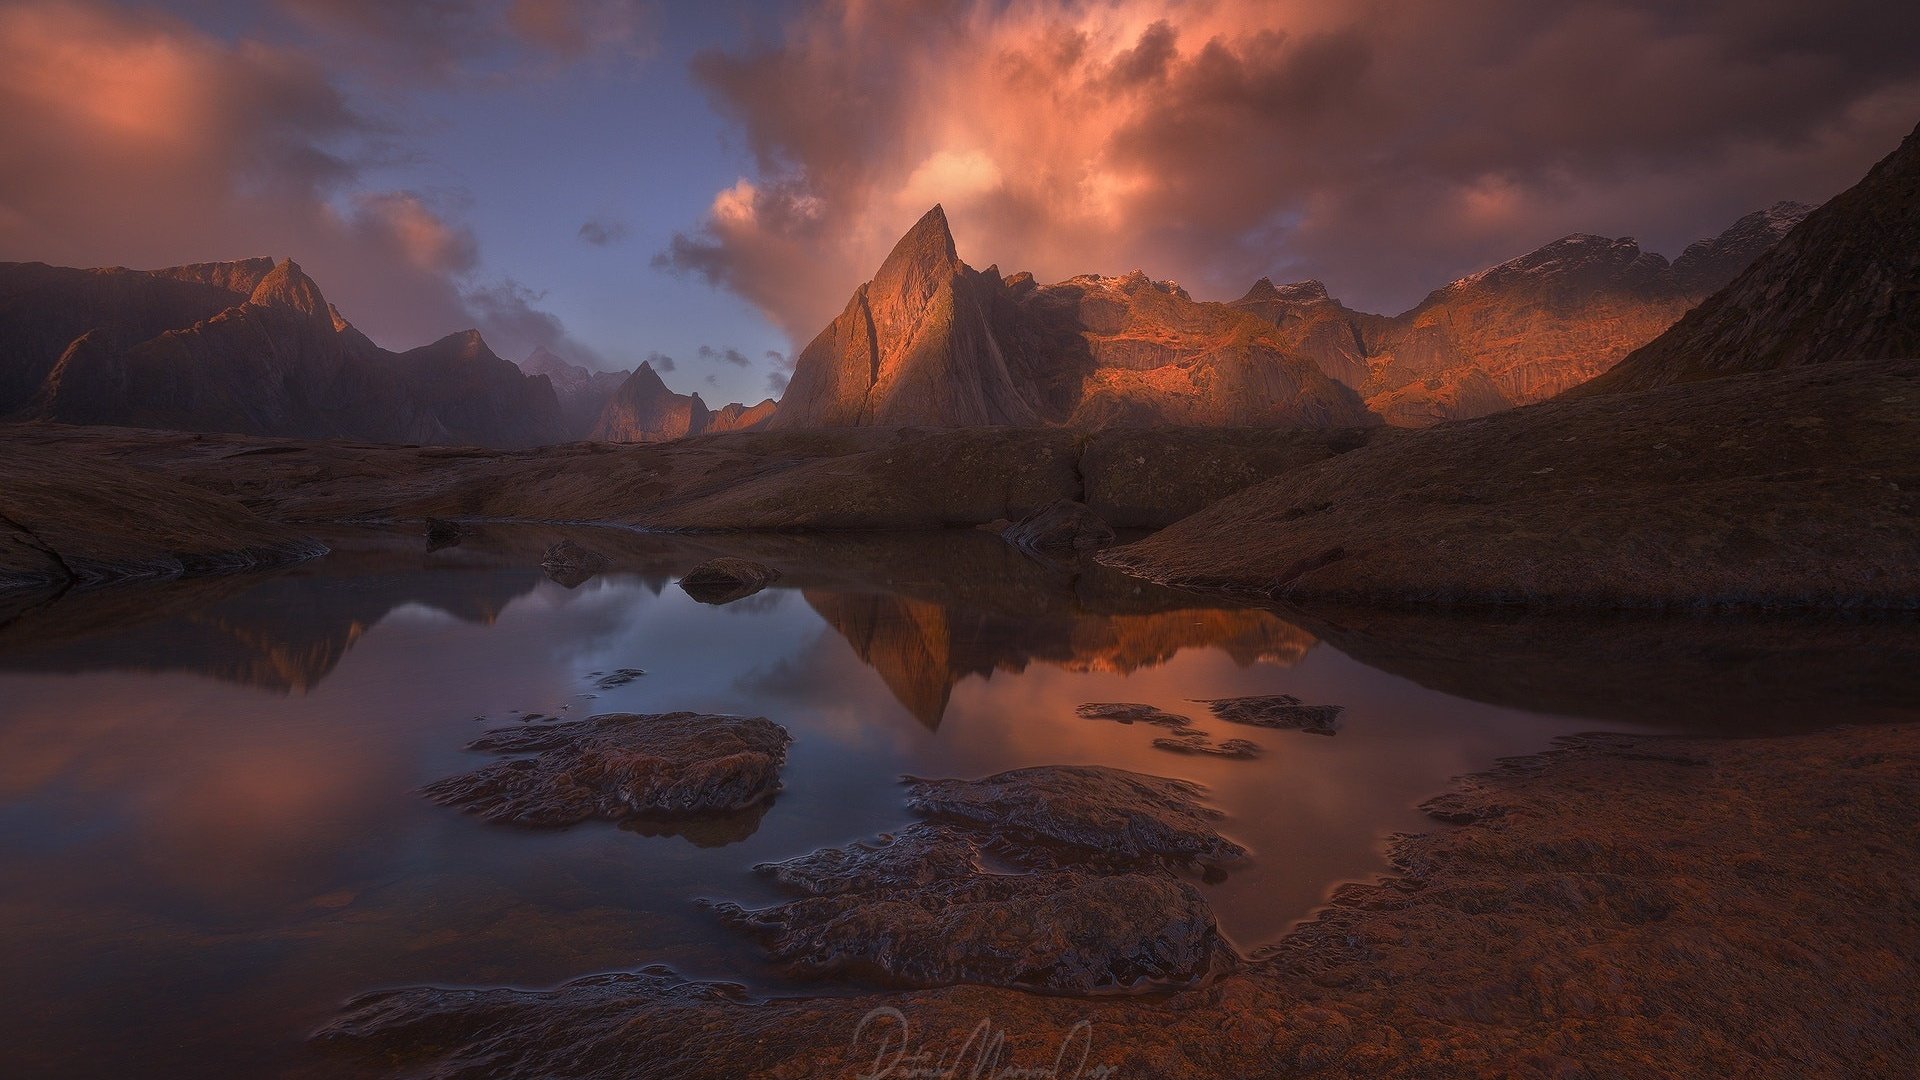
<point x="211" y="833"/>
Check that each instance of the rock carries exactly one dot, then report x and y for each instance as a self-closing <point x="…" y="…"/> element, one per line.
<point x="643" y="410"/>
<point x="569" y="564"/>
<point x="1194" y="742"/>
<point x="1061" y="527"/>
<point x="1104" y="812"/>
<point x="1129" y="713"/>
<point x="622" y="765"/>
<point x="583" y="392"/>
<point x="724" y="580"/>
<point x="618" y="677"/>
<point x="1282" y="711"/>
<point x="442" y="533"/>
<point x="921" y="909"/>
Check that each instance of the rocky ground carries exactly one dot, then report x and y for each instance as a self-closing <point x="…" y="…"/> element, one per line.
<point x="1780" y="489"/>
<point x="1620" y="906"/>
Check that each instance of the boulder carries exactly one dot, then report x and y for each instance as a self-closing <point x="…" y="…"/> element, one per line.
<point x="1061" y="527"/>
<point x="724" y="580"/>
<point x="1281" y="711"/>
<point x="569" y="564"/>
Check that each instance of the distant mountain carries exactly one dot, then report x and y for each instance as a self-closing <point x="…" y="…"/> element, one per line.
<point x="644" y="410"/>
<point x="932" y="342"/>
<point x="1844" y="285"/>
<point x="583" y="392"/>
<point x="1518" y="332"/>
<point x="250" y="347"/>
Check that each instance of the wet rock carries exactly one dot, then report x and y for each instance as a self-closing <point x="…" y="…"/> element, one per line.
<point x="619" y="766"/>
<point x="1062" y="527"/>
<point x="1129" y="713"/>
<point x="1193" y="742"/>
<point x="617" y="678"/>
<point x="922" y="909"/>
<point x="724" y="580"/>
<point x="1110" y="813"/>
<point x="442" y="533"/>
<point x="1282" y="711"/>
<point x="569" y="564"/>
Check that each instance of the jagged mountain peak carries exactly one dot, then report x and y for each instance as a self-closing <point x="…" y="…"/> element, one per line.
<point x="287" y="286"/>
<point x="1296" y="292"/>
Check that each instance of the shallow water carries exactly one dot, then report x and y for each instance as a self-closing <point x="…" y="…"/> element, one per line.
<point x="211" y="833"/>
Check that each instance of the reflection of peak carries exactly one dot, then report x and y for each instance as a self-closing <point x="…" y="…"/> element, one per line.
<point x="921" y="649"/>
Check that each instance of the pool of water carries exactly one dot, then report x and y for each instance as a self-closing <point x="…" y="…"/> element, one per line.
<point x="211" y="832"/>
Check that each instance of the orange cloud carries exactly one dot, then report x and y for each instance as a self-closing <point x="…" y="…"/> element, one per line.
<point x="1384" y="147"/>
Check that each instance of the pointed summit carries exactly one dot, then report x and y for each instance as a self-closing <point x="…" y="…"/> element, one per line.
<point x="287" y="286"/>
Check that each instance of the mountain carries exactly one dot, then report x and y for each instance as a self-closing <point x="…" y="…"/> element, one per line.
<point x="250" y="347"/>
<point x="932" y="342"/>
<point x="583" y="392"/>
<point x="1518" y="332"/>
<point x="1844" y="285"/>
<point x="1761" y="453"/>
<point x="644" y="410"/>
<point x="737" y="417"/>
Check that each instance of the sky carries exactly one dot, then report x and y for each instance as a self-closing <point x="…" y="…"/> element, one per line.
<point x="704" y="184"/>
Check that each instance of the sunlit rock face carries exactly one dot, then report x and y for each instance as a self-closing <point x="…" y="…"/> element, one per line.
<point x="1844" y="286"/>
<point x="932" y="342"/>
<point x="644" y="410"/>
<point x="250" y="347"/>
<point x="1516" y="333"/>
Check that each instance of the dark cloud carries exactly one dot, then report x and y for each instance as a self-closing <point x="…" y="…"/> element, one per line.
<point x="777" y="382"/>
<point x="1383" y="147"/>
<point x="601" y="232"/>
<point x="729" y="356"/>
<point x="661" y="362"/>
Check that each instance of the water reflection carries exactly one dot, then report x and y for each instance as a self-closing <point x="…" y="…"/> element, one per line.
<point x="211" y="833"/>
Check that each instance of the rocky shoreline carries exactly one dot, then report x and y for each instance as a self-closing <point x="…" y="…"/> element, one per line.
<point x="1619" y="905"/>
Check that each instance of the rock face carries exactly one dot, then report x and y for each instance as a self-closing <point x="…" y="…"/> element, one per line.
<point x="932" y="342"/>
<point x="1061" y="527"/>
<point x="737" y="417"/>
<point x="583" y="392"/>
<point x="1843" y="286"/>
<point x="249" y="347"/>
<point x="622" y="765"/>
<point x="724" y="580"/>
<point x="1517" y="333"/>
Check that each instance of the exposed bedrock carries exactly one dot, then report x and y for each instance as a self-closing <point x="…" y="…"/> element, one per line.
<point x="622" y="765"/>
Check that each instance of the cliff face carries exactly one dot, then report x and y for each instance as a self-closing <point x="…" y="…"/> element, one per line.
<point x="1517" y="333"/>
<point x="583" y="392"/>
<point x="931" y="342"/>
<point x="249" y="347"/>
<point x="737" y="417"/>
<point x="644" y="410"/>
<point x="1842" y="286"/>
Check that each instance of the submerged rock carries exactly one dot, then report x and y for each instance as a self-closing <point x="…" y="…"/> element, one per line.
<point x="1104" y="812"/>
<point x="617" y="678"/>
<point x="1193" y="742"/>
<point x="442" y="533"/>
<point x="622" y="765"/>
<point x="922" y="909"/>
<point x="724" y="580"/>
<point x="1061" y="527"/>
<point x="1283" y="711"/>
<point x="1129" y="713"/>
<point x="569" y="564"/>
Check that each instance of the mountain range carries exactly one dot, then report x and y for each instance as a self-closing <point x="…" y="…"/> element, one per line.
<point x="932" y="342"/>
<point x="252" y="347"/>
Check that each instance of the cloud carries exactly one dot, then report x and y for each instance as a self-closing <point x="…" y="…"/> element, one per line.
<point x="601" y="232"/>
<point x="777" y="382"/>
<point x="136" y="139"/>
<point x="730" y="356"/>
<point x="661" y="362"/>
<point x="1383" y="147"/>
<point x="452" y="39"/>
